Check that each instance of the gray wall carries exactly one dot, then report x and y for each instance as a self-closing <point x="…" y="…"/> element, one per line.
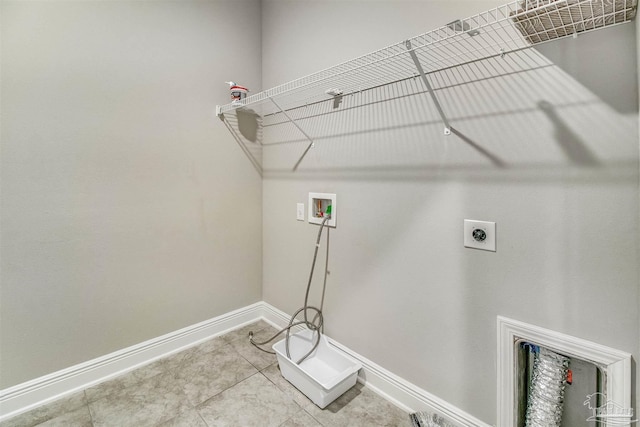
<point x="637" y="389"/>
<point x="547" y="148"/>
<point x="128" y="211"/>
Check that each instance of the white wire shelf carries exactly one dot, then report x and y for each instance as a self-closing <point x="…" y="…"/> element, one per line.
<point x="513" y="26"/>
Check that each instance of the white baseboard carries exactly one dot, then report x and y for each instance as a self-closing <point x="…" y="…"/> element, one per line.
<point x="399" y="391"/>
<point x="26" y="396"/>
<point x="23" y="397"/>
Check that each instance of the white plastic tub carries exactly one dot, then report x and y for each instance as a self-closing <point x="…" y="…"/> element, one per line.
<point x="324" y="375"/>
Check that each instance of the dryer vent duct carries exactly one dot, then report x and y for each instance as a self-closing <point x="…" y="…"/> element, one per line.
<point x="546" y="392"/>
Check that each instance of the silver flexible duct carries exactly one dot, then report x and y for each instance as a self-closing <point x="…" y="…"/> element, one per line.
<point x="428" y="419"/>
<point x="546" y="393"/>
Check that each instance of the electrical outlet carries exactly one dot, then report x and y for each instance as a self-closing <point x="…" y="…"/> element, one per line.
<point x="480" y="235"/>
<point x="300" y="211"/>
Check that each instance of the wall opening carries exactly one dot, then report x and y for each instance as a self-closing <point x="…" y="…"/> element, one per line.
<point x="604" y="374"/>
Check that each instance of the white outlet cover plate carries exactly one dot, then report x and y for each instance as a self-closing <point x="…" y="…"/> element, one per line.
<point x="489" y="230"/>
<point x="300" y="211"/>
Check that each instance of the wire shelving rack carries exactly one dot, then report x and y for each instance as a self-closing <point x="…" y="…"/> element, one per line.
<point x="517" y="25"/>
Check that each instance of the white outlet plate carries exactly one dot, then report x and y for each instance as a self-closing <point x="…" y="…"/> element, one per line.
<point x="480" y="235"/>
<point x="300" y="211"/>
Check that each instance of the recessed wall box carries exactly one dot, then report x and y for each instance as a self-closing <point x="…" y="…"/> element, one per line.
<point x="318" y="205"/>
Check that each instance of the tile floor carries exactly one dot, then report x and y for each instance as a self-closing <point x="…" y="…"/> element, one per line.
<point x="223" y="382"/>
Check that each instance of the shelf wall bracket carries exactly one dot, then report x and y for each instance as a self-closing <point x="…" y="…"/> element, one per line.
<point x="311" y="143"/>
<point x="425" y="80"/>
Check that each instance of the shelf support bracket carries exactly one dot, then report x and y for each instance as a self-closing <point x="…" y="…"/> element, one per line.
<point x="425" y="80"/>
<point x="311" y="143"/>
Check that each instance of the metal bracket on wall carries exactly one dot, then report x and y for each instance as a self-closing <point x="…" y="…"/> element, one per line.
<point x="299" y="128"/>
<point x="425" y="80"/>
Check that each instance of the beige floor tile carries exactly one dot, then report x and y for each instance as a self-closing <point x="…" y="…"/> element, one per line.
<point x="117" y="384"/>
<point x="78" y="418"/>
<point x="47" y="412"/>
<point x="174" y="361"/>
<point x="360" y="407"/>
<point x="258" y="358"/>
<point x="301" y="419"/>
<point x="206" y="374"/>
<point x="190" y="418"/>
<point x="147" y="403"/>
<point x="275" y="376"/>
<point x="255" y="401"/>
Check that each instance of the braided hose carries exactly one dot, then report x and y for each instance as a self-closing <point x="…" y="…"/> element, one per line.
<point x="317" y="323"/>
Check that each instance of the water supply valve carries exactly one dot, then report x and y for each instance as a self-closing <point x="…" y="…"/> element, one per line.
<point x="322" y="205"/>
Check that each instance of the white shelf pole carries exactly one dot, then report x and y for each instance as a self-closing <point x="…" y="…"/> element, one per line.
<point x="300" y="129"/>
<point x="425" y="80"/>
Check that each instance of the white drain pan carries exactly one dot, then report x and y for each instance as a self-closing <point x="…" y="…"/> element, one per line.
<point x="324" y="375"/>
